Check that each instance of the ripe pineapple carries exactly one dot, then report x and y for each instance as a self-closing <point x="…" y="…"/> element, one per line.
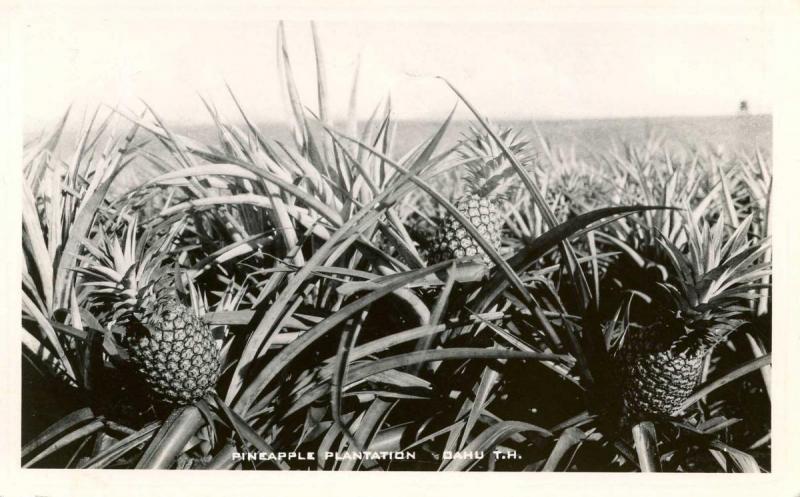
<point x="481" y="204"/>
<point x="171" y="347"/>
<point x="660" y="365"/>
<point x="453" y="240"/>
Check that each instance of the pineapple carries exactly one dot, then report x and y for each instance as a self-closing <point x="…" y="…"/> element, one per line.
<point x="660" y="365"/>
<point x="171" y="347"/>
<point x="481" y="203"/>
<point x="453" y="240"/>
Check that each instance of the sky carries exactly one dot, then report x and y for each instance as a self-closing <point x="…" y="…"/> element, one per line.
<point x="519" y="63"/>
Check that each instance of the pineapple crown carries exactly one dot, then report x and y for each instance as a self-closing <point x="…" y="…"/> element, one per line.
<point x="713" y="279"/>
<point x="487" y="166"/>
<point x="126" y="277"/>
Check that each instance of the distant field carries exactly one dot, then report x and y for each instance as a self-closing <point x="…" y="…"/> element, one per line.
<point x="736" y="133"/>
<point x="731" y="132"/>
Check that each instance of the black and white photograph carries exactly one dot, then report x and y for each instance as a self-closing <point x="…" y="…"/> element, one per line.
<point x="456" y="238"/>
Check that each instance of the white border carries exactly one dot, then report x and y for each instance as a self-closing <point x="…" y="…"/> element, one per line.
<point x="782" y="16"/>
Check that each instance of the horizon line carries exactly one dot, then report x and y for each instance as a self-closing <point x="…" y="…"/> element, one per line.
<point x="31" y="127"/>
<point x="538" y="119"/>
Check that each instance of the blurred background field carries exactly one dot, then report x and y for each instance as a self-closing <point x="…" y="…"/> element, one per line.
<point x="734" y="133"/>
<point x="579" y="139"/>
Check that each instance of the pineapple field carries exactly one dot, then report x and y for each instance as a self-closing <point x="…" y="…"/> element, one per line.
<point x="463" y="296"/>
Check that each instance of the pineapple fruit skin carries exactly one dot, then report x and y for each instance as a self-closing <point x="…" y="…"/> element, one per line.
<point x="175" y="354"/>
<point x="655" y="379"/>
<point x="453" y="240"/>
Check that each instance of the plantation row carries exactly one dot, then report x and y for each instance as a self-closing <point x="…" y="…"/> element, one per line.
<point x="327" y="296"/>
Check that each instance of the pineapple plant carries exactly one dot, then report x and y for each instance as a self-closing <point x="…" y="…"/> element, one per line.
<point x="422" y="230"/>
<point x="481" y="203"/>
<point x="660" y="365"/>
<point x="134" y="287"/>
<point x="578" y="189"/>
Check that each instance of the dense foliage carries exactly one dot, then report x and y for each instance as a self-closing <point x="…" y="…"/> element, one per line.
<point x="308" y="261"/>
